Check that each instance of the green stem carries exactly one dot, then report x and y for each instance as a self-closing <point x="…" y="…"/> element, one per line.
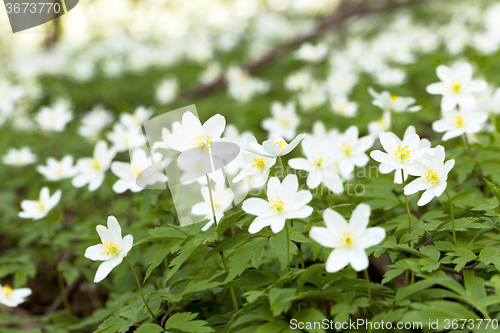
<point x="287" y="247"/>
<point x="406" y="200"/>
<point x="224" y="261"/>
<point x="282" y="168"/>
<point x="302" y="263"/>
<point x="2" y="314"/>
<point x="452" y="218"/>
<point x="140" y="290"/>
<point x="63" y="294"/>
<point x="467" y="146"/>
<point x="367" y="277"/>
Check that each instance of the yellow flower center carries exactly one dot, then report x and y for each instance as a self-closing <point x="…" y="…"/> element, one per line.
<point x="284" y="122"/>
<point x="347" y="149"/>
<point x="381" y="122"/>
<point x="109" y="248"/>
<point x="318" y="160"/>
<point x="202" y="142"/>
<point x="394" y="97"/>
<point x="431" y="176"/>
<point x="96" y="165"/>
<point x="456" y="86"/>
<point x="278" y="205"/>
<point x="136" y="171"/>
<point x="258" y="163"/>
<point x="282" y="144"/>
<point x="40" y="204"/>
<point x="346" y="240"/>
<point x="458" y="121"/>
<point x="7" y="290"/>
<point x="404" y="153"/>
<point x="59" y="171"/>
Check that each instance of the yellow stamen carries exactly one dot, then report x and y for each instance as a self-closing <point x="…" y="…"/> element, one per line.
<point x="458" y="121"/>
<point x="7" y="290"/>
<point x="278" y="205"/>
<point x="347" y="149"/>
<point x="258" y="163"/>
<point x="59" y="171"/>
<point x="203" y="142"/>
<point x="284" y="122"/>
<point x="282" y="144"/>
<point x="96" y="165"/>
<point x="456" y="86"/>
<point x="40" y="204"/>
<point x="346" y="240"/>
<point x="318" y="160"/>
<point x="431" y="176"/>
<point x="109" y="248"/>
<point x="404" y="153"/>
<point x="394" y="97"/>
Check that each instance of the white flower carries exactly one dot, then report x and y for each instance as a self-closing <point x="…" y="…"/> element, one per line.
<point x="380" y="125"/>
<point x="242" y="87"/>
<point x="112" y="250"/>
<point x="94" y="122"/>
<point x="256" y="167"/>
<point x="165" y="133"/>
<point x="400" y="154"/>
<point x="132" y="173"/>
<point x="284" y="122"/>
<point x="433" y="175"/>
<point x="388" y="77"/>
<point x="283" y="202"/>
<point x="140" y="115"/>
<point x="343" y="107"/>
<point x="13" y="297"/>
<point x="275" y="147"/>
<point x="456" y="86"/>
<point x="341" y="83"/>
<point x="351" y="150"/>
<point x="312" y="97"/>
<point x="299" y="80"/>
<point x="19" y="157"/>
<point x="37" y="209"/>
<point x="55" y="170"/>
<point x="196" y="141"/>
<point x="167" y="90"/>
<point x="393" y="103"/>
<point x="456" y="123"/>
<point x="311" y="53"/>
<point x="91" y="170"/>
<point x="319" y="162"/>
<point x="124" y="138"/>
<point x="222" y="199"/>
<point x="9" y="96"/>
<point x="348" y="239"/>
<point x="489" y="101"/>
<point x="211" y="73"/>
<point x="54" y="118"/>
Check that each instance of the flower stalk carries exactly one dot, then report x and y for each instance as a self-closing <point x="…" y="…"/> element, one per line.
<point x="452" y="218"/>
<point x="406" y="201"/>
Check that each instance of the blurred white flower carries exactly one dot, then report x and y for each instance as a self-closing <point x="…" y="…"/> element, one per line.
<point x="298" y="81"/>
<point x="13" y="297"/>
<point x="129" y="173"/>
<point x="9" y="96"/>
<point x="91" y="170"/>
<point x="284" y="122"/>
<point x="55" y="118"/>
<point x="222" y="201"/>
<point x="312" y="97"/>
<point x="112" y="250"/>
<point x="456" y="123"/>
<point x="343" y="107"/>
<point x="348" y="239"/>
<point x="433" y="175"/>
<point x="37" y="209"/>
<point x="393" y="103"/>
<point x="19" y="157"/>
<point x="275" y="147"/>
<point x="320" y="164"/>
<point x="351" y="150"/>
<point x="124" y="138"/>
<point x="312" y="53"/>
<point x="167" y="90"/>
<point x="255" y="167"/>
<point x="55" y="170"/>
<point x="489" y="101"/>
<point x="211" y="73"/>
<point x="283" y="202"/>
<point x="94" y="121"/>
<point x="341" y="83"/>
<point x="380" y="125"/>
<point x="457" y="86"/>
<point x="389" y="77"/>
<point x="140" y="115"/>
<point x="165" y="133"/>
<point x="242" y="87"/>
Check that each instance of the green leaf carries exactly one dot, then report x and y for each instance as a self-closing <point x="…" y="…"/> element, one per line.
<point x="310" y="316"/>
<point x="184" y="322"/>
<point x="149" y="328"/>
<point x="241" y="257"/>
<point x="279" y="246"/>
<point x="226" y="222"/>
<point x="280" y="300"/>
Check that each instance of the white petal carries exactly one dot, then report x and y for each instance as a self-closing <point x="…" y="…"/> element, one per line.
<point x="426" y="197"/>
<point x="106" y="267"/>
<point x="214" y="126"/>
<point x="372" y="236"/>
<point x="323" y="237"/>
<point x="95" y="252"/>
<point x="358" y="259"/>
<point x="256" y="206"/>
<point x="338" y="259"/>
<point x="360" y="218"/>
<point x="334" y="221"/>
